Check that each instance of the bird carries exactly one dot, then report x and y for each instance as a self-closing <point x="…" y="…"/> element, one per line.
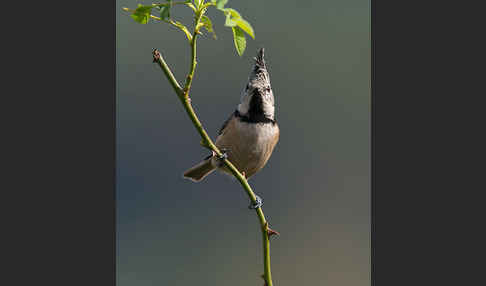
<point x="249" y="136"/>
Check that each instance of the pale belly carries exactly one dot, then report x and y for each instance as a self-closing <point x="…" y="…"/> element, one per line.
<point x="249" y="145"/>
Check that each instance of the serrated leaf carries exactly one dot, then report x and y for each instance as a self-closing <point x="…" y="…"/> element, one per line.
<point x="245" y="26"/>
<point x="239" y="39"/>
<point x="208" y="25"/>
<point x="220" y="3"/>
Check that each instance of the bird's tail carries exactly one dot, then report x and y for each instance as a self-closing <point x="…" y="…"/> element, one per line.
<point x="200" y="171"/>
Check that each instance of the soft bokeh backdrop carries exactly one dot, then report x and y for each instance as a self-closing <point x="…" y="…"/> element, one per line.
<point x="316" y="186"/>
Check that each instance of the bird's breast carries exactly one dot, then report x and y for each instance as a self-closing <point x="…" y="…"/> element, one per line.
<point x="249" y="145"/>
<point x="256" y="136"/>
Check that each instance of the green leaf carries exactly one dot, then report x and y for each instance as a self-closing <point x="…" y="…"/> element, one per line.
<point x="245" y="26"/>
<point x="229" y="21"/>
<point x="142" y="13"/>
<point x="198" y="3"/>
<point x="220" y="3"/>
<point x="144" y="8"/>
<point x="231" y="16"/>
<point x="207" y="4"/>
<point x="234" y="14"/>
<point x="192" y="7"/>
<point x="208" y="25"/>
<point x="140" y="18"/>
<point x="164" y="12"/>
<point x="160" y="5"/>
<point x="239" y="39"/>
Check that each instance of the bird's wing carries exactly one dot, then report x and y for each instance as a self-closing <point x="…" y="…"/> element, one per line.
<point x="225" y="124"/>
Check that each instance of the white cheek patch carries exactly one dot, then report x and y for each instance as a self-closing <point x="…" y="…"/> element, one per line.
<point x="269" y="104"/>
<point x="244" y="106"/>
<point x="269" y="109"/>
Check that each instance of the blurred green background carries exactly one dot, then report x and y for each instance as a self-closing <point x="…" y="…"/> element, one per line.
<point x="315" y="187"/>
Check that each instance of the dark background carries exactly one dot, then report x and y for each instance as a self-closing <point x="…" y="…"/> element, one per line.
<point x="316" y="186"/>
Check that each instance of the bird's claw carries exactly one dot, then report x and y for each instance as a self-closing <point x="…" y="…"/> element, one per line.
<point x="222" y="157"/>
<point x="257" y="204"/>
<point x="224" y="154"/>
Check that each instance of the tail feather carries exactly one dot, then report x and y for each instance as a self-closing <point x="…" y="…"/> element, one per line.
<point x="200" y="171"/>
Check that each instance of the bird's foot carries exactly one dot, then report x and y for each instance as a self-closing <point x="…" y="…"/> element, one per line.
<point x="224" y="155"/>
<point x="257" y="204"/>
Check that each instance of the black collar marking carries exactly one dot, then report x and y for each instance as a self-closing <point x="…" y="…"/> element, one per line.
<point x="254" y="118"/>
<point x="261" y="119"/>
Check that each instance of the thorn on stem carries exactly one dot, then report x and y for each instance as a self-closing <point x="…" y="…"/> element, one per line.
<point x="270" y="231"/>
<point x="264" y="281"/>
<point x="156" y="55"/>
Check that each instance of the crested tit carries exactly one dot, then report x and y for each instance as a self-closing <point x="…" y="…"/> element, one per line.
<point x="250" y="134"/>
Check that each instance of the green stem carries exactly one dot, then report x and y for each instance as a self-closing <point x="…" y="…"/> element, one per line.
<point x="183" y="95"/>
<point x="192" y="69"/>
<point x="168" y="73"/>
